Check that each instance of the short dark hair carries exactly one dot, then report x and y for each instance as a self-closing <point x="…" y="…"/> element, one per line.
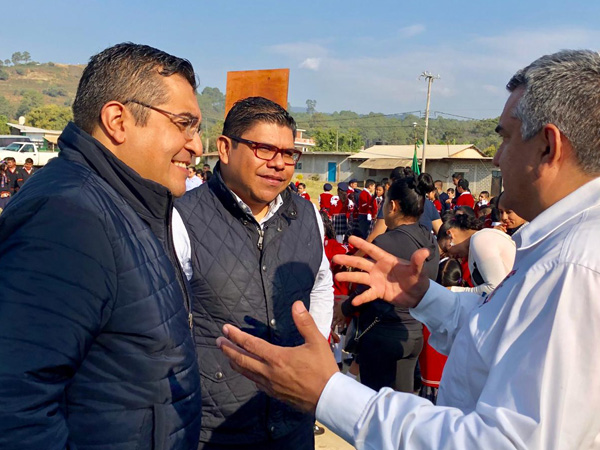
<point x="457" y="176"/>
<point x="369" y="183"/>
<point x="10" y="158"/>
<point x="125" y="72"/>
<point x="246" y="113"/>
<point x="463" y="183"/>
<point x="28" y="161"/>
<point x="302" y="184"/>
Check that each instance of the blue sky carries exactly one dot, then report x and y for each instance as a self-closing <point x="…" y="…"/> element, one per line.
<point x="347" y="55"/>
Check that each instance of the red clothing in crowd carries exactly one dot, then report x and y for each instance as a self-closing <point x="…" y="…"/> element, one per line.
<point x="365" y="203"/>
<point x="325" y="201"/>
<point x="332" y="248"/>
<point x="431" y="363"/>
<point x="465" y="199"/>
<point x="337" y="206"/>
<point x="305" y="196"/>
<point x="438" y="205"/>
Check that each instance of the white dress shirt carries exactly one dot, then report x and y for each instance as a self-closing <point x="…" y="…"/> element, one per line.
<point x="191" y="183"/>
<point x="321" y="296"/>
<point x="523" y="362"/>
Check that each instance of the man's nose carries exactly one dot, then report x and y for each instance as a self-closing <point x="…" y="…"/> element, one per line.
<point x="195" y="145"/>
<point x="277" y="162"/>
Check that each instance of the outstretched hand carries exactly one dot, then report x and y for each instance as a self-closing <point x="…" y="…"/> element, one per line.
<point x="296" y="375"/>
<point x="403" y="283"/>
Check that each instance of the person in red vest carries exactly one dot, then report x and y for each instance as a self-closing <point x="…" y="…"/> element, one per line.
<point x="339" y="211"/>
<point x="325" y="198"/>
<point x="464" y="195"/>
<point x="366" y="213"/>
<point x="302" y="191"/>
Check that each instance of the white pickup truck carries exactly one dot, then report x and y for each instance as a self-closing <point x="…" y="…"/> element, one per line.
<point x="23" y="150"/>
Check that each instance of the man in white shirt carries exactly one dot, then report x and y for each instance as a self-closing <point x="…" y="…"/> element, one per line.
<point x="250" y="248"/>
<point x="522" y="360"/>
<point x="192" y="181"/>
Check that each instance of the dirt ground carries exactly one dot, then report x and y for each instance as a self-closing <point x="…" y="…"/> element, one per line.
<point x="330" y="441"/>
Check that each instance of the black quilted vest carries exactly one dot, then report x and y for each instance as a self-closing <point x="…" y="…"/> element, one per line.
<point x="249" y="281"/>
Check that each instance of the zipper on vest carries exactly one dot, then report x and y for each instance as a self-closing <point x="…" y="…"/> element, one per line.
<point x="261" y="236"/>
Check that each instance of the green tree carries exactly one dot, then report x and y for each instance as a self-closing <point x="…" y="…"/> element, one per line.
<point x="6" y="108"/>
<point x="51" y="117"/>
<point x="16" y="58"/>
<point x="7" y="62"/>
<point x="29" y="101"/>
<point x="311" y="106"/>
<point x="4" y="128"/>
<point x="26" y="57"/>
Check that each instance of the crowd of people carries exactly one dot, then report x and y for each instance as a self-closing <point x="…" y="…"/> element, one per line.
<point x="471" y="250"/>
<point x="12" y="178"/>
<point x="145" y="305"/>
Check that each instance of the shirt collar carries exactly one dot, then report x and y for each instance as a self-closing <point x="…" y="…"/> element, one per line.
<point x="273" y="207"/>
<point x="566" y="209"/>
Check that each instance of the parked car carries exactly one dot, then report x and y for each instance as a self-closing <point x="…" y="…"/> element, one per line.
<point x="23" y="150"/>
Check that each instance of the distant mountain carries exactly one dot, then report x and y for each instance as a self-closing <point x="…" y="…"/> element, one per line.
<point x="56" y="83"/>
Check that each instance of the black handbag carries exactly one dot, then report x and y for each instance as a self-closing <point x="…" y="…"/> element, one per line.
<point x="353" y="335"/>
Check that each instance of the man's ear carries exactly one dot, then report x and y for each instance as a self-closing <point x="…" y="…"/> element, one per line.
<point x="113" y="116"/>
<point x="224" y="146"/>
<point x="554" y="153"/>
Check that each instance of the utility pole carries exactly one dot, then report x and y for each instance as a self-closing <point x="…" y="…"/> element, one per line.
<point x="430" y="78"/>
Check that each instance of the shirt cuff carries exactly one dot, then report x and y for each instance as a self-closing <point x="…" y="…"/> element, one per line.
<point x="432" y="308"/>
<point x="336" y="412"/>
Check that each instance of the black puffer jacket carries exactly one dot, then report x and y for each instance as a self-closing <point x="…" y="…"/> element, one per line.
<point x="95" y="347"/>
<point x="251" y="285"/>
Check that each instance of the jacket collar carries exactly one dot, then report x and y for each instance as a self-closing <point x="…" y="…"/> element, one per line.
<point x="150" y="200"/>
<point x="229" y="201"/>
<point x="570" y="208"/>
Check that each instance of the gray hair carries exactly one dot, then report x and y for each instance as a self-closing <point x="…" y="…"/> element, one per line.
<point x="563" y="89"/>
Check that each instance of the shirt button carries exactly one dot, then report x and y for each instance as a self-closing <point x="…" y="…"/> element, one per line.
<point x="272" y="429"/>
<point x="273" y="322"/>
<point x="219" y="375"/>
<point x="264" y="268"/>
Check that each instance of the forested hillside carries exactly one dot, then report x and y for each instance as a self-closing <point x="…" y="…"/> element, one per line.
<point x="43" y="94"/>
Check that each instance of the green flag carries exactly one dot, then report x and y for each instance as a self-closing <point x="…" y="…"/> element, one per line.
<point x="415" y="161"/>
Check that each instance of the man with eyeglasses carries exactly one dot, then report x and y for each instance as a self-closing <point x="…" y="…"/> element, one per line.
<point x="192" y="181"/>
<point x="251" y="248"/>
<point x="96" y="349"/>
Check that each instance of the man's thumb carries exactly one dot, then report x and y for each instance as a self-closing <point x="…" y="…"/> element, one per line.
<point x="305" y="323"/>
<point x="417" y="260"/>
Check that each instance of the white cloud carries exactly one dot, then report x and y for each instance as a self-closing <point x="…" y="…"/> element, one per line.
<point x="311" y="64"/>
<point x="473" y="70"/>
<point x="412" y="30"/>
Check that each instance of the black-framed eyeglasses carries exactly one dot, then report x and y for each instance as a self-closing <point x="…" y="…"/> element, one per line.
<point x="188" y="123"/>
<point x="268" y="152"/>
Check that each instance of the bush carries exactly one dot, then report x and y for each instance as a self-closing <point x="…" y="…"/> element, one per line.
<point x="55" y="91"/>
<point x="20" y="71"/>
<point x="3" y="75"/>
<point x="315" y="177"/>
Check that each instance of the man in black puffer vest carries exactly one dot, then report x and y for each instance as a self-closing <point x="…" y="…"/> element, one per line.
<point x="96" y="350"/>
<point x="254" y="247"/>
